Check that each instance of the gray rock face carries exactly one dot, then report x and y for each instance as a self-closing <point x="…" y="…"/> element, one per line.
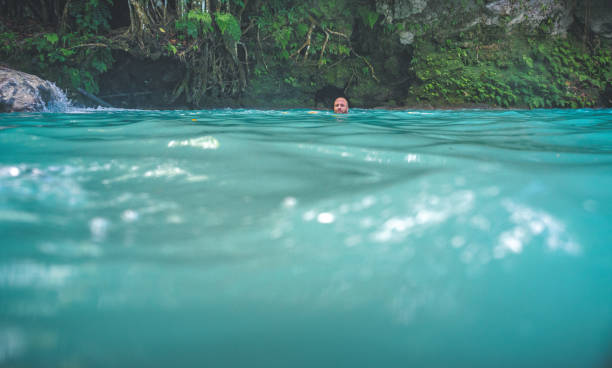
<point x="557" y="15"/>
<point x="398" y="10"/>
<point x="26" y="92"/>
<point x="406" y="38"/>
<point x="533" y="13"/>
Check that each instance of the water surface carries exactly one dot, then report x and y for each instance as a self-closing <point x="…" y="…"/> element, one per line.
<point x="241" y="238"/>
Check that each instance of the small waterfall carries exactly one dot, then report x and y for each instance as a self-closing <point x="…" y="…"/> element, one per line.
<point x="21" y="91"/>
<point x="56" y="101"/>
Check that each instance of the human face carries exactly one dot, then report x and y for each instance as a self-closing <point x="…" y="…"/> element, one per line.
<point x="341" y="105"/>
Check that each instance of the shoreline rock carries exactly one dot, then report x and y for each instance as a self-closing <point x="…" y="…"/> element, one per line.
<point x="21" y="91"/>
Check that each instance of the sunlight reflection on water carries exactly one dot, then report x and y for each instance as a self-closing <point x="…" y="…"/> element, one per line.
<point x="480" y="234"/>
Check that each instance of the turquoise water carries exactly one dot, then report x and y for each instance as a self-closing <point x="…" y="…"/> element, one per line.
<point x="241" y="238"/>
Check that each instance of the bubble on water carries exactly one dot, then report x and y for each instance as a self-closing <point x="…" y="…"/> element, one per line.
<point x="457" y="241"/>
<point x="52" y="184"/>
<point x="206" y="142"/>
<point x="427" y="211"/>
<point x="325" y="218"/>
<point x="309" y="215"/>
<point x="197" y="178"/>
<point x="368" y="201"/>
<point x="530" y="223"/>
<point x="411" y="157"/>
<point x="129" y="216"/>
<point x="512" y="240"/>
<point x="165" y="171"/>
<point x="174" y="219"/>
<point x="393" y="226"/>
<point x="427" y="216"/>
<point x="99" y="167"/>
<point x="13" y="171"/>
<point x="289" y="202"/>
<point x="373" y="157"/>
<point x="366" y="222"/>
<point x="98" y="226"/>
<point x="536" y="226"/>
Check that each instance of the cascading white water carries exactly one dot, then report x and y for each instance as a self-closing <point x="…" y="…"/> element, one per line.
<point x="57" y="101"/>
<point x="23" y="92"/>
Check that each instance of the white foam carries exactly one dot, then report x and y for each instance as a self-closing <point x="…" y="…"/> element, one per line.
<point x="59" y="102"/>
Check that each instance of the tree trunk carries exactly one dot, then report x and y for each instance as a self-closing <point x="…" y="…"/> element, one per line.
<point x="140" y="21"/>
<point x="181" y="7"/>
<point x="62" y="25"/>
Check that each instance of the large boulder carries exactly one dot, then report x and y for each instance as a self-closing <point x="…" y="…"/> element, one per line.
<point x="25" y="92"/>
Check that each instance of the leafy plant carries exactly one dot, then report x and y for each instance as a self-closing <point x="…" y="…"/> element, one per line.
<point x="171" y="48"/>
<point x="228" y="24"/>
<point x="528" y="72"/>
<point x="72" y="59"/>
<point x="368" y="17"/>
<point x="196" y="24"/>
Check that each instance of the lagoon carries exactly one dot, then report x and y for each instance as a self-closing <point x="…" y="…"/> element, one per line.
<point x="231" y="238"/>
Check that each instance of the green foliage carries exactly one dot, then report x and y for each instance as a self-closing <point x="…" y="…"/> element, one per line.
<point x="287" y="26"/>
<point x="73" y="59"/>
<point x="7" y="43"/>
<point x="52" y="38"/>
<point x="534" y="74"/>
<point x="292" y="45"/>
<point x="368" y="16"/>
<point x="313" y="36"/>
<point x="195" y="24"/>
<point x="227" y="23"/>
<point x="67" y="61"/>
<point x="90" y="16"/>
<point x="292" y="81"/>
<point x="171" y="48"/>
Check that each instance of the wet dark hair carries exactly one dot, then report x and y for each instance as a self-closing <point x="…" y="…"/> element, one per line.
<point x="328" y="94"/>
<point x="345" y="98"/>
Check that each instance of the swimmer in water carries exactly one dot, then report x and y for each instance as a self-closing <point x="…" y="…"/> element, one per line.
<point x="341" y="105"/>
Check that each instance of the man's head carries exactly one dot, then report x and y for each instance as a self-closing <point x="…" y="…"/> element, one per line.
<point x="341" y="105"/>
